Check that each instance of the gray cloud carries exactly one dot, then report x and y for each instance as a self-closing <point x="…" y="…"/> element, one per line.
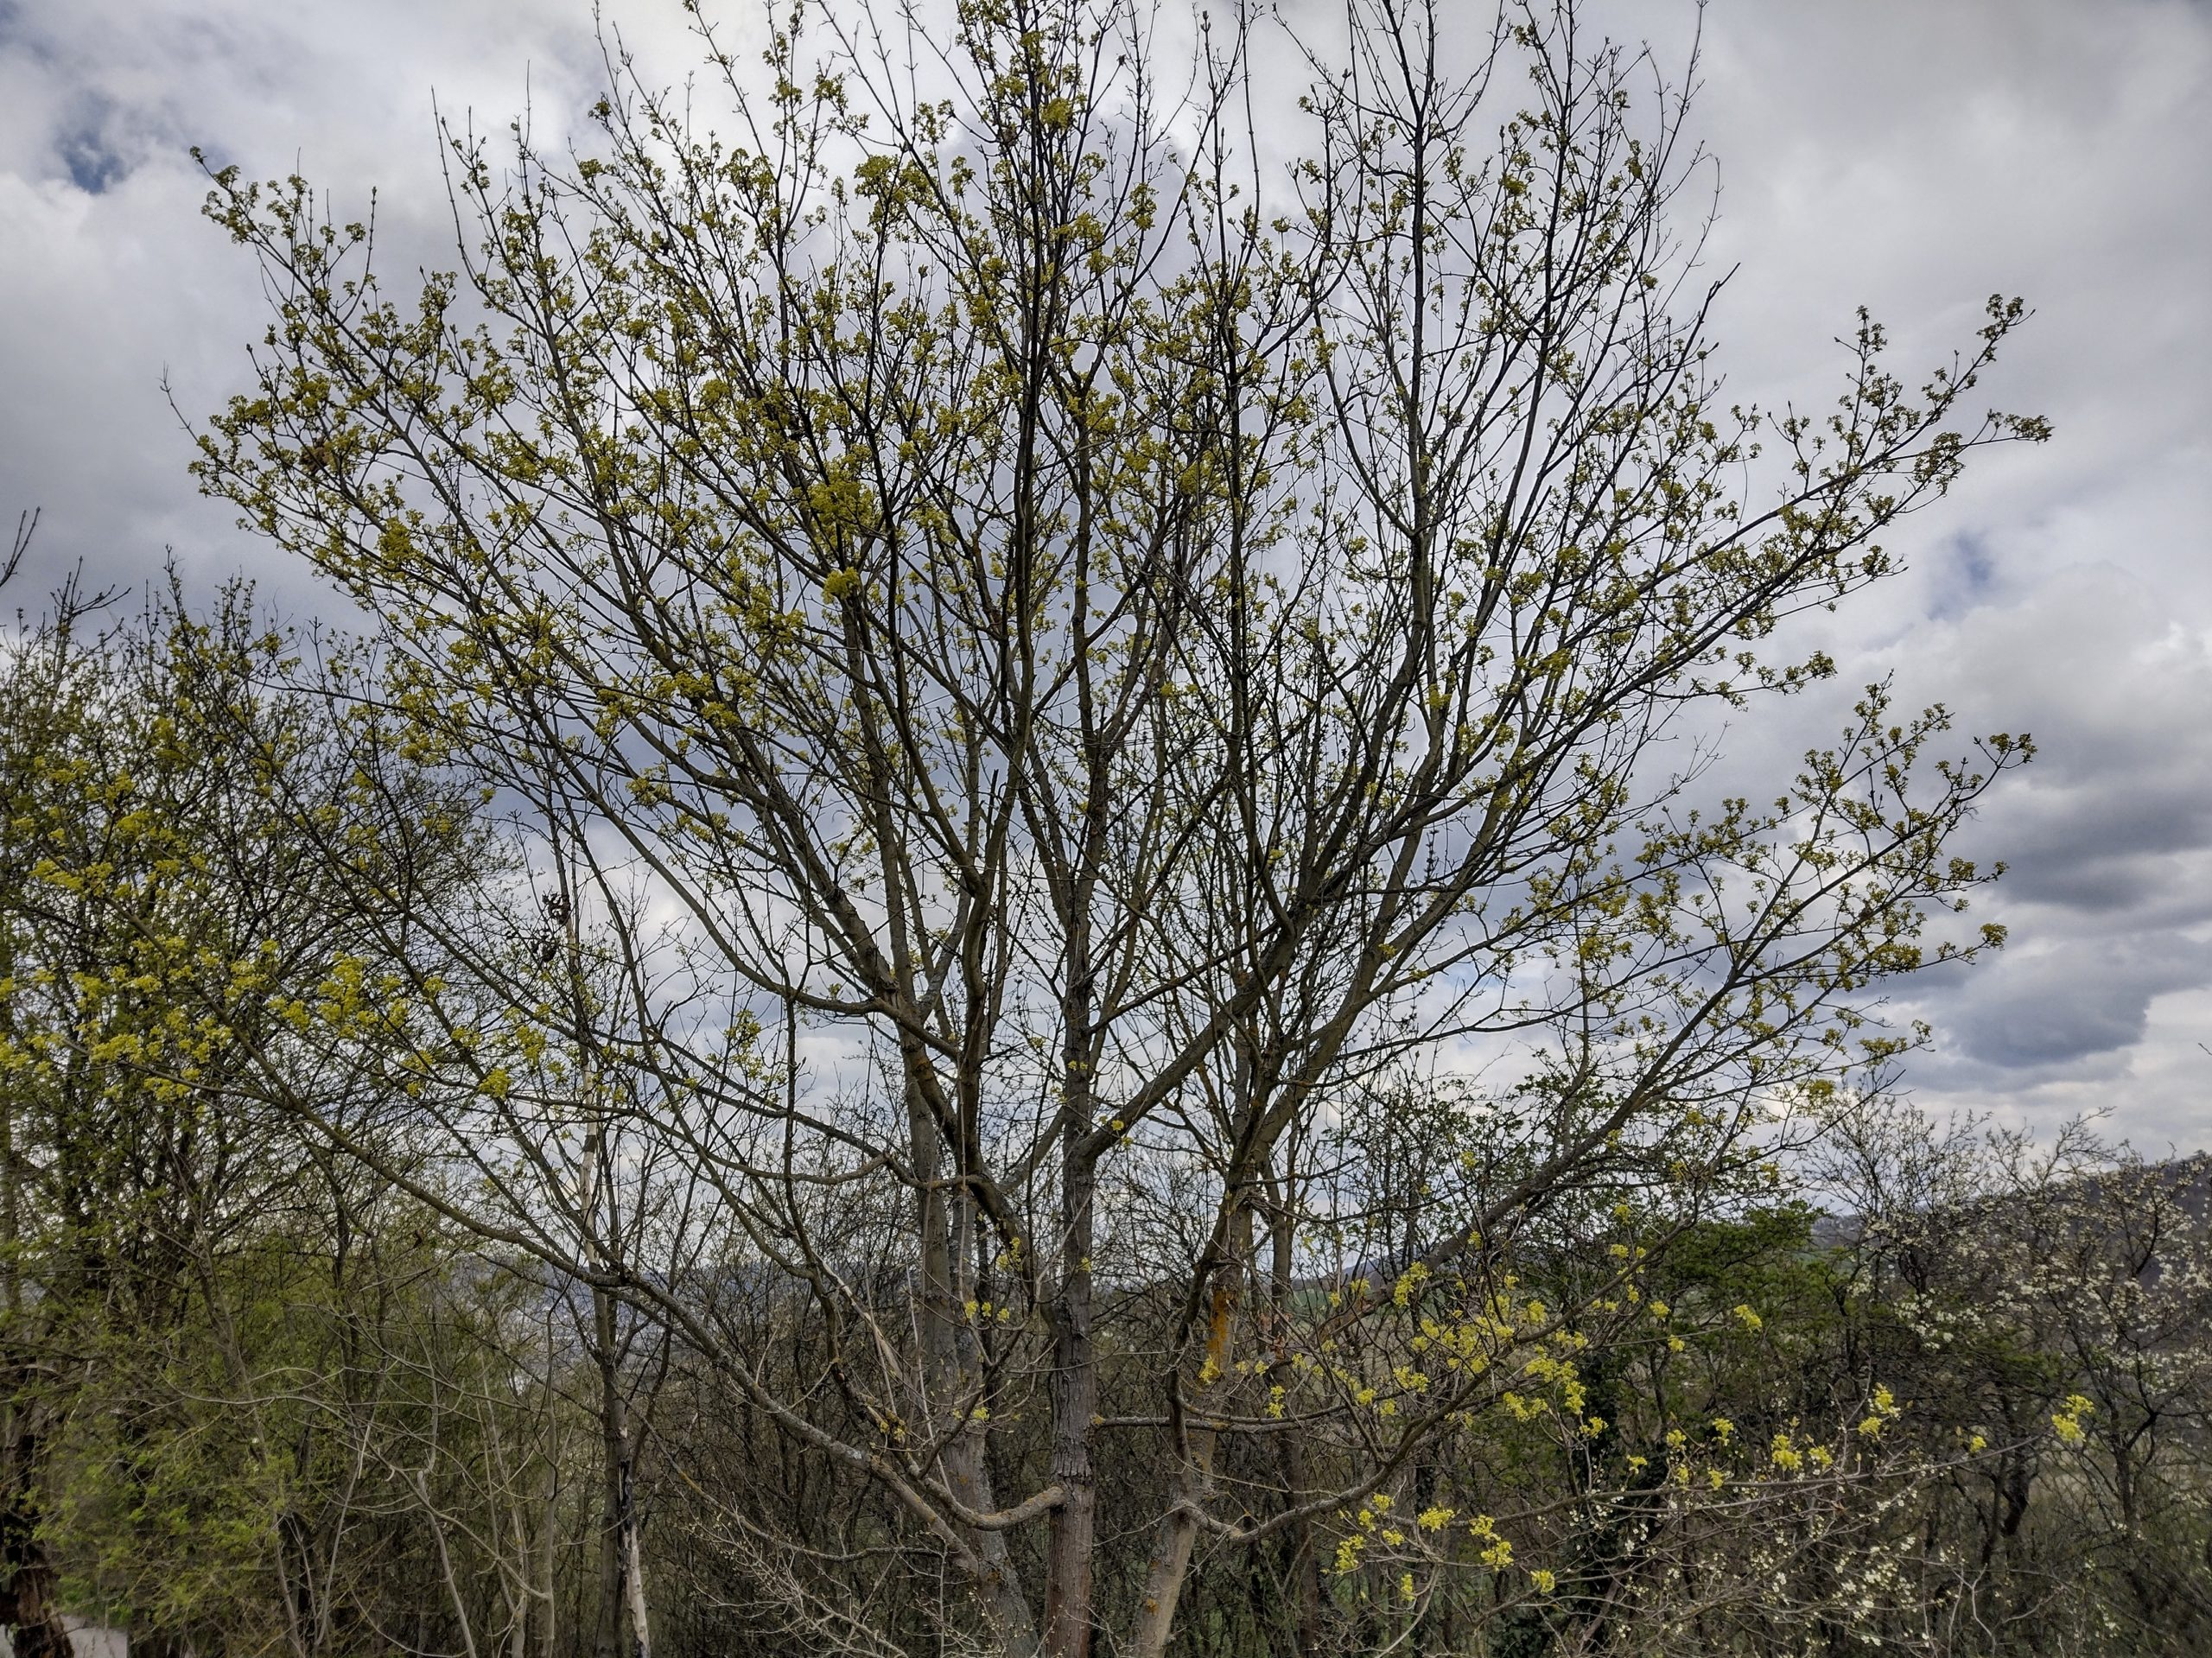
<point x="2051" y="1005"/>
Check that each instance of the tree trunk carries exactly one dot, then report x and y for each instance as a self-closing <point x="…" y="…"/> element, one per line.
<point x="1290" y="1448"/>
<point x="1069" y="1580"/>
<point x="27" y="1592"/>
<point x="1179" y="1527"/>
<point x="27" y="1607"/>
<point x="621" y="1594"/>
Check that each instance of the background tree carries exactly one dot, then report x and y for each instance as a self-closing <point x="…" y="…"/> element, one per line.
<point x="218" y="1338"/>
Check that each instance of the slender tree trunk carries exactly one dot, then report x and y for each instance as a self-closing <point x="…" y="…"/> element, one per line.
<point x="1290" y="1448"/>
<point x="641" y="1636"/>
<point x="1068" y="1584"/>
<point x="621" y="1570"/>
<point x="1069" y="1580"/>
<point x="548" y="1541"/>
<point x="1178" y="1529"/>
<point x="952" y="1384"/>
<point x="616" y="1546"/>
<point x="27" y="1606"/>
<point x="621" y="1588"/>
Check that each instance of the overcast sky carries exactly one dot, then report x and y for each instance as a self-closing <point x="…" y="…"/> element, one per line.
<point x="1912" y="156"/>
